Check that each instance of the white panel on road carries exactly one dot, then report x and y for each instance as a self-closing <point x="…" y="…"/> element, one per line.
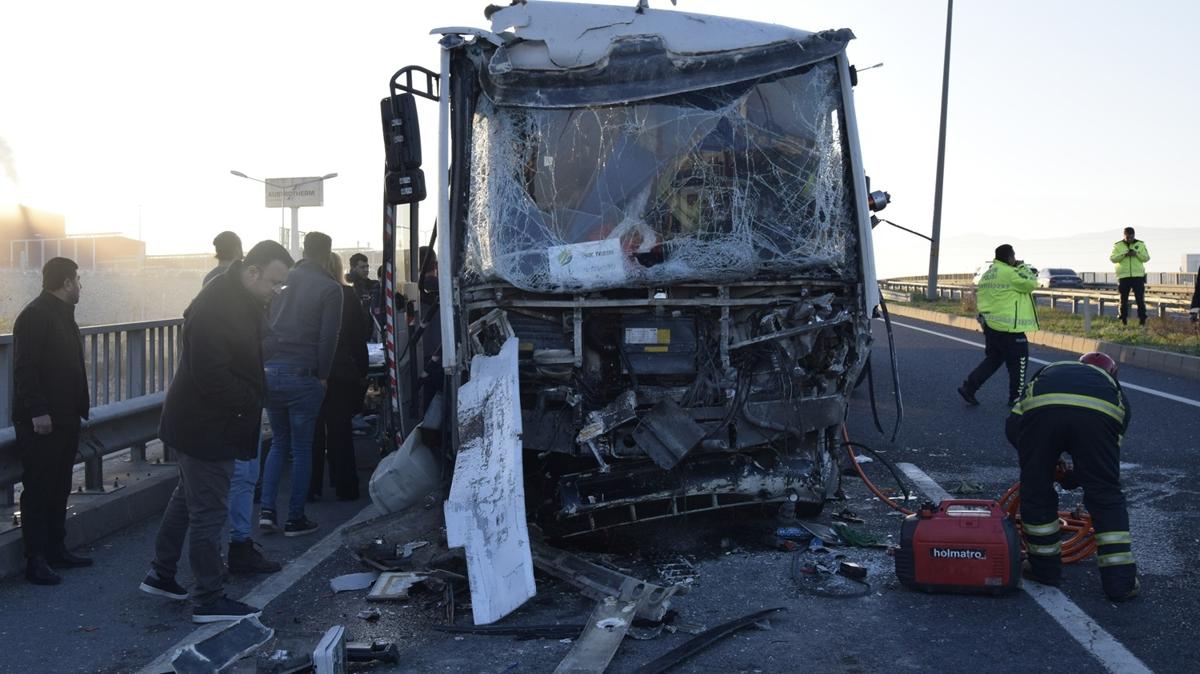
<point x="1111" y="654"/>
<point x="486" y="510"/>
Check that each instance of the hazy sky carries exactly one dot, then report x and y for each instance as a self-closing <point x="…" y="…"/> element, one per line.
<point x="1065" y="117"/>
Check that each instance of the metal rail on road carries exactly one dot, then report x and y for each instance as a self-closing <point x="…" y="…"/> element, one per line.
<point x="1077" y="298"/>
<point x="129" y="367"/>
<point x="1173" y="281"/>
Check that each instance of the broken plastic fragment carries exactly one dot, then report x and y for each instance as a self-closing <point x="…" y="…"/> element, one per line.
<point x="353" y="581"/>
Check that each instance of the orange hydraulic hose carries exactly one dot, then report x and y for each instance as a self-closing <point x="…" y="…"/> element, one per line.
<point x="1078" y="547"/>
<point x="866" y="480"/>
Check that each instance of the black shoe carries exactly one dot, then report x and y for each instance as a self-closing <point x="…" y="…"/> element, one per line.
<point x="223" y="609"/>
<point x="967" y="395"/>
<point x="38" y="572"/>
<point x="1135" y="591"/>
<point x="66" y="560"/>
<point x="162" y="587"/>
<point x="267" y="521"/>
<point x="245" y="558"/>
<point x="1028" y="573"/>
<point x="300" y="526"/>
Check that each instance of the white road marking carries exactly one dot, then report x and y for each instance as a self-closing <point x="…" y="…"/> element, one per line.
<point x="1124" y="384"/>
<point x="266" y="591"/>
<point x="932" y="489"/>
<point x="1110" y="653"/>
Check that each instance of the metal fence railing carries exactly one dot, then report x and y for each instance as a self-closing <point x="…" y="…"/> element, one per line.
<point x="129" y="367"/>
<point x="1078" y="300"/>
<point x="1161" y="281"/>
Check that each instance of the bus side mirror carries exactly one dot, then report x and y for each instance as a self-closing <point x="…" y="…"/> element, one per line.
<point x="401" y="132"/>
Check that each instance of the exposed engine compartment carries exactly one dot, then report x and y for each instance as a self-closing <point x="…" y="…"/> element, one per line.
<point x="697" y="398"/>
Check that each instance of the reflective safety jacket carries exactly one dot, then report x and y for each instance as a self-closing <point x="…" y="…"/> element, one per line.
<point x="1003" y="298"/>
<point x="1070" y="383"/>
<point x="1130" y="266"/>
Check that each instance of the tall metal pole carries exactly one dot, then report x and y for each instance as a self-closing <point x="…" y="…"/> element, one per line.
<point x="295" y="247"/>
<point x="941" y="162"/>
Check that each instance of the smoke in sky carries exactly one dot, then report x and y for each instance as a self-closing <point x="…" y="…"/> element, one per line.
<point x="8" y="162"/>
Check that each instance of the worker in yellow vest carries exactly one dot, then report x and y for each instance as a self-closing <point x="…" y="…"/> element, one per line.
<point x="1006" y="312"/>
<point x="1129" y="255"/>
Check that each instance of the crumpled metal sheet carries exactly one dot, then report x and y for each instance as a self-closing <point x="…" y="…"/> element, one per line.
<point x="485" y="513"/>
<point x="742" y="182"/>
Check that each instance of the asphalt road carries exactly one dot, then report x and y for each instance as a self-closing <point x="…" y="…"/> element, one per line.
<point x="735" y="571"/>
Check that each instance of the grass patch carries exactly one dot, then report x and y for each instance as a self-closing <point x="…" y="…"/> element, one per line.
<point x="1166" y="334"/>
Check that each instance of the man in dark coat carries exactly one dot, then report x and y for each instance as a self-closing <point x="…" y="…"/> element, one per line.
<point x="299" y="345"/>
<point x="51" y="396"/>
<point x="211" y="416"/>
<point x="365" y="290"/>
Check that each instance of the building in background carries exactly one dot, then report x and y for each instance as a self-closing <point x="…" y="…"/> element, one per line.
<point x="29" y="237"/>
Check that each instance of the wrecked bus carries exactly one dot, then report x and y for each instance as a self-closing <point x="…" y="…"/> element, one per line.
<point x="665" y="215"/>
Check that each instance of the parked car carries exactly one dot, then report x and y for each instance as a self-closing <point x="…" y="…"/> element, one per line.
<point x="985" y="266"/>
<point x="1058" y="277"/>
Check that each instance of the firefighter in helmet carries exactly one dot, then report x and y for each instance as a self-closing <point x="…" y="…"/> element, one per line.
<point x="1077" y="408"/>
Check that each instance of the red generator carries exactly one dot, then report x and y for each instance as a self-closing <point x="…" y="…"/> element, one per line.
<point x="959" y="545"/>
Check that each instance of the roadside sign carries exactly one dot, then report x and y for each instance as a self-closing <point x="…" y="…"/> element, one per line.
<point x="295" y="192"/>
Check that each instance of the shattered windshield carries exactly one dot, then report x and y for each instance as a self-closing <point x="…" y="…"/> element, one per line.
<point x="738" y="182"/>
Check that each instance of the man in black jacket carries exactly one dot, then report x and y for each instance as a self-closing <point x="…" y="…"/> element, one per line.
<point x="301" y="339"/>
<point x="1077" y="408"/>
<point x="365" y="290"/>
<point x="51" y="396"/>
<point x="211" y="416"/>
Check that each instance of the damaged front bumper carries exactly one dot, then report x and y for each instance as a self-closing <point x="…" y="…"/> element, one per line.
<point x="596" y="500"/>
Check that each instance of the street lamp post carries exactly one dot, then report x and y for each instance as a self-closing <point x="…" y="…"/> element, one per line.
<point x="285" y="195"/>
<point x="941" y="163"/>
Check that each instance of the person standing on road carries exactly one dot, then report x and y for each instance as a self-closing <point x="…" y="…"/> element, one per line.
<point x="1006" y="312"/>
<point x="229" y="250"/>
<point x="302" y="336"/>
<point x="211" y="416"/>
<point x="244" y="555"/>
<point x="1077" y="408"/>
<point x="50" y="397"/>
<point x="343" y="399"/>
<point x="1195" y="310"/>
<point x="1129" y="254"/>
<point x="365" y="290"/>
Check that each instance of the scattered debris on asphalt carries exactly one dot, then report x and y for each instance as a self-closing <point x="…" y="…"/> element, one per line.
<point x="598" y="583"/>
<point x="222" y="649"/>
<point x="353" y="581"/>
<point x="369" y="614"/>
<point x="394" y="585"/>
<point x="329" y="657"/>
<point x="702" y="641"/>
<point x="821" y="574"/>
<point x="967" y="488"/>
<point x="380" y="650"/>
<point x="852" y="571"/>
<point x="847" y="515"/>
<point x="601" y="636"/>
